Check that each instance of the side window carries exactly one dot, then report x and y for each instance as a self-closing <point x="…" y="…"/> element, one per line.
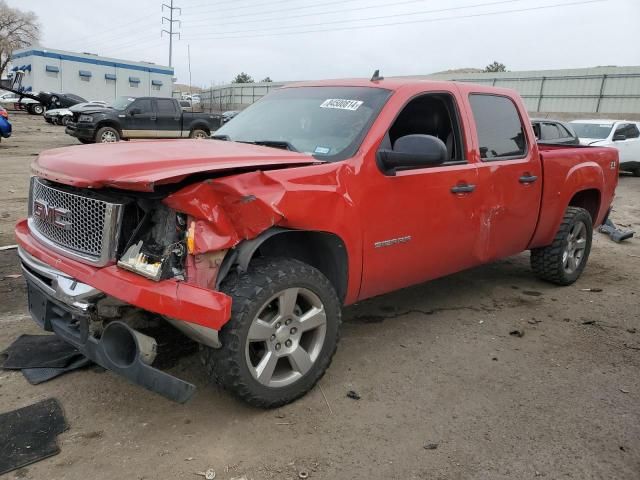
<point x="632" y="131"/>
<point x="564" y="133"/>
<point x="500" y="130"/>
<point x="550" y="131"/>
<point x="432" y="114"/>
<point x="166" y="106"/>
<point x="144" y="104"/>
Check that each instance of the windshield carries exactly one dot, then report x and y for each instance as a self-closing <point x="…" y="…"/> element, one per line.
<point x="122" y="102"/>
<point x="592" y="130"/>
<point x="326" y="122"/>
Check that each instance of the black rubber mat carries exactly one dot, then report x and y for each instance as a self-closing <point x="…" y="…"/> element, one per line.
<point x="39" y="351"/>
<point x="28" y="434"/>
<point x="40" y="375"/>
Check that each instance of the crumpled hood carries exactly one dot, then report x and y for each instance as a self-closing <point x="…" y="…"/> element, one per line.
<point x="141" y="165"/>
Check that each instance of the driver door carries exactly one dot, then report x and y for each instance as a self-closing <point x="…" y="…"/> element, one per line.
<point x="421" y="223"/>
<point x="140" y="119"/>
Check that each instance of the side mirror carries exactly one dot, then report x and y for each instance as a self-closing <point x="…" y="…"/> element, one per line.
<point x="618" y="137"/>
<point x="135" y="111"/>
<point x="417" y="151"/>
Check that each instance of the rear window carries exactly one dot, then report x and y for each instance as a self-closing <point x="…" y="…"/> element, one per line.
<point x="592" y="130"/>
<point x="500" y="130"/>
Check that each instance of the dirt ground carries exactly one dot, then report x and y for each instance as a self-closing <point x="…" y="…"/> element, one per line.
<point x="446" y="391"/>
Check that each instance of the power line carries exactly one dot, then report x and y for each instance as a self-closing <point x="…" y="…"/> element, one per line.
<point x="424" y="12"/>
<point x="312" y="14"/>
<point x="408" y="22"/>
<point x="235" y="6"/>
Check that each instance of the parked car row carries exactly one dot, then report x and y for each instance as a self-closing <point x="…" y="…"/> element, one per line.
<point x="623" y="135"/>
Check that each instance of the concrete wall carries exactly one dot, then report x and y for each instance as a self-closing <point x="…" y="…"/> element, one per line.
<point x="96" y="86"/>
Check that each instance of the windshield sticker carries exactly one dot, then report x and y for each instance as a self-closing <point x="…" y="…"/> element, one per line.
<point x="342" y="104"/>
<point x="322" y="150"/>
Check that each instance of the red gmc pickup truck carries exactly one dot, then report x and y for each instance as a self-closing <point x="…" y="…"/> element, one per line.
<point x="317" y="196"/>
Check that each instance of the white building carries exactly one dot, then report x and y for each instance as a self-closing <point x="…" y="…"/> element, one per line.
<point x="90" y="76"/>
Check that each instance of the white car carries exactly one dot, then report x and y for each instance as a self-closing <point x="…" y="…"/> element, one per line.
<point x="623" y="135"/>
<point x="8" y="100"/>
<point x="61" y="116"/>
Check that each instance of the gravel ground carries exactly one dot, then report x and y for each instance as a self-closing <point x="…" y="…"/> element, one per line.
<point x="446" y="391"/>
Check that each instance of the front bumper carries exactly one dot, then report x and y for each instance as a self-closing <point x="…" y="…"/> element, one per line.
<point x="630" y="166"/>
<point x="177" y="300"/>
<point x="80" y="131"/>
<point x="62" y="305"/>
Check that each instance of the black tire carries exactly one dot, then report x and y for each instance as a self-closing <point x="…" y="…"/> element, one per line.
<point x="548" y="263"/>
<point x="636" y="172"/>
<point x="198" y="133"/>
<point x="37" y="109"/>
<point x="250" y="292"/>
<point x="107" y="132"/>
<point x="64" y="120"/>
<point x="29" y="109"/>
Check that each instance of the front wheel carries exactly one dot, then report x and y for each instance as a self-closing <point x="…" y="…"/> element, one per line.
<point x="282" y="335"/>
<point x="563" y="261"/>
<point x="107" y="135"/>
<point x="198" y="133"/>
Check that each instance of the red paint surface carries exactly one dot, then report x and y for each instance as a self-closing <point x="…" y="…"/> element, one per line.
<point x="353" y="199"/>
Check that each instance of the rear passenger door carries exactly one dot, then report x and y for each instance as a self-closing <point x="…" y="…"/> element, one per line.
<point x="169" y="118"/>
<point x="139" y="120"/>
<point x="510" y="174"/>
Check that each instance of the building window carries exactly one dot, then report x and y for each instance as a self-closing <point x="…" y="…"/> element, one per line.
<point x="52" y="69"/>
<point x="85" y="75"/>
<point x="134" y="82"/>
<point x="110" y="76"/>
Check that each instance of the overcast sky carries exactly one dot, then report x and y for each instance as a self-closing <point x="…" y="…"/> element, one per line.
<point x="306" y="39"/>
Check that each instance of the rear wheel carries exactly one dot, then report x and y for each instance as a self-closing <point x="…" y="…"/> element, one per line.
<point x="282" y="335"/>
<point x="198" y="133"/>
<point x="107" y="135"/>
<point x="37" y="109"/>
<point x="563" y="261"/>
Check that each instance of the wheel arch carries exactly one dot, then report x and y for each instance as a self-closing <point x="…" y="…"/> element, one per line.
<point x="108" y="123"/>
<point x="198" y="125"/>
<point x="322" y="250"/>
<point x="589" y="199"/>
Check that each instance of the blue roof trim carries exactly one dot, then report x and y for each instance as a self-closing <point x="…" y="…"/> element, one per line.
<point x="110" y="76"/>
<point x="52" y="68"/>
<point x="84" y="73"/>
<point x="92" y="61"/>
<point x="156" y="82"/>
<point x="134" y="80"/>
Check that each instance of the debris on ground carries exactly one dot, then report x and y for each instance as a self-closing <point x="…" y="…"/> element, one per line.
<point x="595" y="290"/>
<point x="303" y="474"/>
<point x="531" y="293"/>
<point x="517" y="333"/>
<point x="29" y="434"/>
<point x="624" y="390"/>
<point x="617" y="235"/>
<point x="430" y="446"/>
<point x="42" y="357"/>
<point x="12" y="276"/>
<point x="353" y="395"/>
<point x="8" y="247"/>
<point x="631" y="330"/>
<point x="588" y="322"/>
<point x="210" y="474"/>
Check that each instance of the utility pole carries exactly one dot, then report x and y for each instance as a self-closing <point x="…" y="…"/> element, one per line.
<point x="171" y="21"/>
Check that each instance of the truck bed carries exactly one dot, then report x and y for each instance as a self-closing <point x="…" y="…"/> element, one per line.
<point x="599" y="171"/>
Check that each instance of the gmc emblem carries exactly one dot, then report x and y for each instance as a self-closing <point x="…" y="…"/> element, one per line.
<point x="58" y="217"/>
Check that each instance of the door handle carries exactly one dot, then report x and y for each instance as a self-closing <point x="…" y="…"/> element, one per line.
<point x="528" y="178"/>
<point x="463" y="188"/>
<point x="153" y="117"/>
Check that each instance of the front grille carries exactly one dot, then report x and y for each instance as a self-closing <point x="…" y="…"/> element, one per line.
<point x="77" y="225"/>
